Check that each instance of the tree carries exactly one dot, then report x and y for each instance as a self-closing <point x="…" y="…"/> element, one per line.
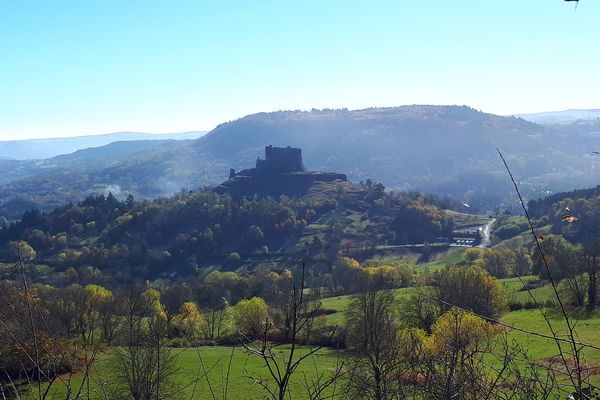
<point x="189" y="320"/>
<point x="471" y="288"/>
<point x="389" y="276"/>
<point x="346" y="274"/>
<point x="215" y="320"/>
<point x="591" y="251"/>
<point x="233" y="259"/>
<point x="254" y="235"/>
<point x="111" y="321"/>
<point x="250" y="317"/>
<point x="418" y="311"/>
<point x="30" y="343"/>
<point x="138" y="373"/>
<point x="522" y="261"/>
<point x="451" y="360"/>
<point x="68" y="307"/>
<point x="472" y="254"/>
<point x="372" y="328"/>
<point x="95" y="302"/>
<point x="300" y="312"/>
<point x="499" y="261"/>
<point x="21" y="250"/>
<point x="223" y="285"/>
<point x="173" y="296"/>
<point x="143" y="366"/>
<point x="570" y="265"/>
<point x="572" y="290"/>
<point x="27" y="346"/>
<point x="561" y="257"/>
<point x="418" y="222"/>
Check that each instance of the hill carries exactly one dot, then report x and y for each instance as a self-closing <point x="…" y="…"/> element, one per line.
<point x="187" y="233"/>
<point x="446" y="150"/>
<point x="562" y="117"/>
<point x="47" y="184"/>
<point x="36" y="149"/>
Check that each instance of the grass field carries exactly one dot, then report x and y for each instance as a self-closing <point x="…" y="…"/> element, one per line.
<point x="515" y="293"/>
<point x="587" y="327"/>
<point x="451" y="257"/>
<point x="341" y="303"/>
<point x="463" y="220"/>
<point x="538" y="348"/>
<point x="245" y="371"/>
<point x="512" y="288"/>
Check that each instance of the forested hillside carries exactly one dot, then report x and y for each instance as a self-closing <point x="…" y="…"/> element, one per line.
<point x="188" y="233"/>
<point x="38" y="149"/>
<point x="575" y="215"/>
<point x="445" y="150"/>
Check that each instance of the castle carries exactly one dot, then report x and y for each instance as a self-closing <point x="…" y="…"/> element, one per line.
<point x="281" y="172"/>
<point x="284" y="159"/>
<point x="278" y="160"/>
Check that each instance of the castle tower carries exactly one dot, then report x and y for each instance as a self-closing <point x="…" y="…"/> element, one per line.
<point x="281" y="159"/>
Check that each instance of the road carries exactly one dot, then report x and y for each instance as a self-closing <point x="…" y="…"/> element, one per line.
<point x="485" y="233"/>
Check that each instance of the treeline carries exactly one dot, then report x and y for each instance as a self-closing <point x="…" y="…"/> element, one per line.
<point x="540" y="207"/>
<point x="581" y="204"/>
<point x="573" y="267"/>
<point x="179" y="236"/>
<point x="145" y="239"/>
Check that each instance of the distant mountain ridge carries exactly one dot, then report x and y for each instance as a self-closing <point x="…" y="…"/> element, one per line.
<point x="37" y="149"/>
<point x="445" y="150"/>
<point x="562" y="117"/>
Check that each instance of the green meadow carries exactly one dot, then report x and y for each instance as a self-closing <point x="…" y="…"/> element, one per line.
<point x="538" y="348"/>
<point x="213" y="372"/>
<point x="218" y="372"/>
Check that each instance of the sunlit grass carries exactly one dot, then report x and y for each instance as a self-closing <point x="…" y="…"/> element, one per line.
<point x="190" y="377"/>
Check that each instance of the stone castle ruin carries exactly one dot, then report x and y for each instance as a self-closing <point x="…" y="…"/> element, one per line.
<point x="283" y="159"/>
<point x="281" y="172"/>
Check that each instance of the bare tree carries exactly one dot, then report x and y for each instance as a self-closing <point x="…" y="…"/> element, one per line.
<point x="372" y="328"/>
<point x="591" y="252"/>
<point x="301" y="312"/>
<point x="143" y="366"/>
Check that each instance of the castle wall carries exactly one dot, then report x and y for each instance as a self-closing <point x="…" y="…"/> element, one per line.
<point x="281" y="159"/>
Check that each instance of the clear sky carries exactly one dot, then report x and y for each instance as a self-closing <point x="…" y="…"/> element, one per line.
<point x="96" y="66"/>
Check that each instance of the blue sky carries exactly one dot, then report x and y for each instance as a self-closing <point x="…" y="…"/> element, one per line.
<point x="87" y="67"/>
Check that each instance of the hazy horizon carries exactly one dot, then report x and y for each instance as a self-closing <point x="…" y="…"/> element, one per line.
<point x="74" y="135"/>
<point x="6" y="138"/>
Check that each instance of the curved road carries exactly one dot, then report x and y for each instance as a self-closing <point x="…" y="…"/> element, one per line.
<point x="485" y="233"/>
